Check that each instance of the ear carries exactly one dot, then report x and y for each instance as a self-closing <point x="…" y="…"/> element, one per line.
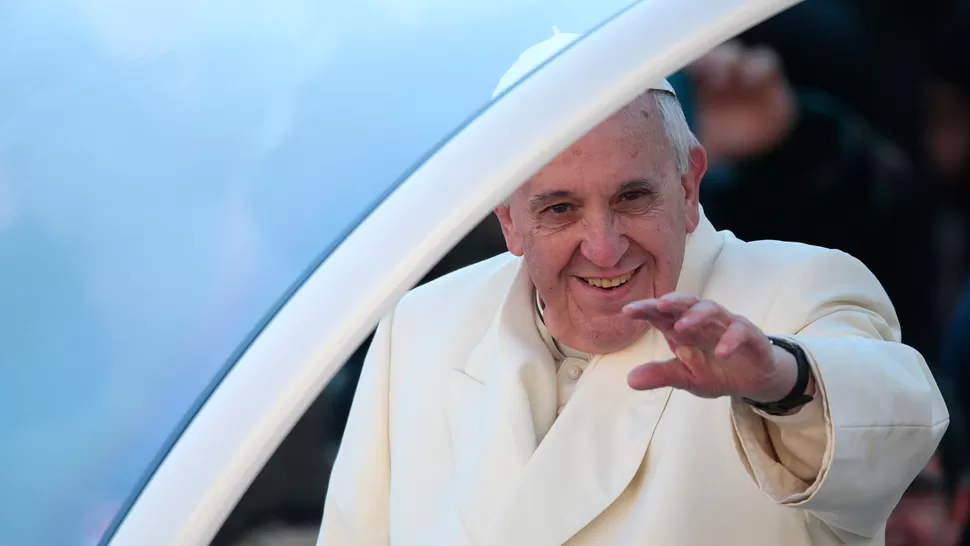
<point x="512" y="238"/>
<point x="691" y="183"/>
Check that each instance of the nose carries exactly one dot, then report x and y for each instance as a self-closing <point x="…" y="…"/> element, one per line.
<point x="604" y="243"/>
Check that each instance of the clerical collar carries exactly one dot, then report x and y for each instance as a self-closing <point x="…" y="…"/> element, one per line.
<point x="558" y="350"/>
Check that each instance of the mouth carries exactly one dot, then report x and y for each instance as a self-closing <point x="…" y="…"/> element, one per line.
<point x="609" y="283"/>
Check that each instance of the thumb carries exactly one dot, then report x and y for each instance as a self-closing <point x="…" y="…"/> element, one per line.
<point x="655" y="375"/>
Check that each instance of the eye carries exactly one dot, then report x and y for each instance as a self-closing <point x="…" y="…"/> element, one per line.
<point x="632" y="195"/>
<point x="559" y="208"/>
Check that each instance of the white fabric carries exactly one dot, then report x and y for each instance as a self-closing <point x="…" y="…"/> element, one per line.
<point x="570" y="363"/>
<point x="531" y="58"/>
<point x="454" y="438"/>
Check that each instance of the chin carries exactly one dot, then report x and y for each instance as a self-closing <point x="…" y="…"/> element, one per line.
<point x="605" y="332"/>
<point x="614" y="333"/>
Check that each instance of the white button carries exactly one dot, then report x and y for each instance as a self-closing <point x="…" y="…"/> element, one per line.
<point x="572" y="367"/>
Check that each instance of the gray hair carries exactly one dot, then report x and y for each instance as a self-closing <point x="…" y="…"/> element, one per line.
<point x="678" y="133"/>
<point x="679" y="136"/>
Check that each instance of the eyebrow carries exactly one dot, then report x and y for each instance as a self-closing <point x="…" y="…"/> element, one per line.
<point x="542" y="200"/>
<point x="641" y="184"/>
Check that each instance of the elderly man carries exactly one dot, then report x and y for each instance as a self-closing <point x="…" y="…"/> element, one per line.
<point x="627" y="374"/>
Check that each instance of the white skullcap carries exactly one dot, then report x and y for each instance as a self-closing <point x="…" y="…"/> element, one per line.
<point x="543" y="51"/>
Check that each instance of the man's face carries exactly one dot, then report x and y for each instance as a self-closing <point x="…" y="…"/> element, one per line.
<point x="605" y="224"/>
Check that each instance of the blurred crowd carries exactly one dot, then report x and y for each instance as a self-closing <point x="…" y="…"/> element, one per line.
<point x="839" y="123"/>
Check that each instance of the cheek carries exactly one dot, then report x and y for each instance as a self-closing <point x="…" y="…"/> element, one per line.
<point x="547" y="255"/>
<point x="663" y="238"/>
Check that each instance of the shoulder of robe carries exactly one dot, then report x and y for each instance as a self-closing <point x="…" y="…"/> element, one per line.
<point x="805" y="282"/>
<point x="764" y="260"/>
<point x="479" y="288"/>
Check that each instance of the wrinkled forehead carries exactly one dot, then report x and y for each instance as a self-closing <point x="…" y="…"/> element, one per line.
<point x="630" y="145"/>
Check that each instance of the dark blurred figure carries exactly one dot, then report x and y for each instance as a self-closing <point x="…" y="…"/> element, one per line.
<point x="901" y="66"/>
<point x="947" y="139"/>
<point x="948" y="89"/>
<point x="867" y="54"/>
<point x="795" y="164"/>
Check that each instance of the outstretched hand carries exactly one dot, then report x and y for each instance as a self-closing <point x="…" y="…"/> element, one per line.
<point x="717" y="353"/>
<point x="745" y="104"/>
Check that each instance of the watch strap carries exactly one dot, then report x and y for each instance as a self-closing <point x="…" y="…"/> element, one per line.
<point x="797" y="397"/>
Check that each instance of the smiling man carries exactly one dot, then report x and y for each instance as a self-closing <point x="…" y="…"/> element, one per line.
<point x="627" y="374"/>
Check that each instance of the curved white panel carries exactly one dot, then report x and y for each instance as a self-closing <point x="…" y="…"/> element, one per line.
<point x="270" y="387"/>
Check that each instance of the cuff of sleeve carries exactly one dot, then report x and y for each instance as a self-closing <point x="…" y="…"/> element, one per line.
<point x="810" y="414"/>
<point x="804" y="439"/>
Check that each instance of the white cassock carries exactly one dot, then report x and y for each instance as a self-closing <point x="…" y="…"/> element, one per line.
<point x="461" y="434"/>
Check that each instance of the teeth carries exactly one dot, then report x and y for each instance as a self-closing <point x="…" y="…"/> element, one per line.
<point x="608" y="283"/>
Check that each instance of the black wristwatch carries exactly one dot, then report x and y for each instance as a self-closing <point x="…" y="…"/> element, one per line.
<point x="797" y="397"/>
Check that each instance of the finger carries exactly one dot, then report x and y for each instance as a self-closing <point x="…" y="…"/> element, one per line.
<point x="661" y="313"/>
<point x="640" y="307"/>
<point x="734" y="337"/>
<point x="644" y="310"/>
<point x="689" y="355"/>
<point x="649" y="310"/>
<point x="655" y="375"/>
<point x="706" y="317"/>
<point x="760" y="66"/>
<point x="660" y="321"/>
<point x="676" y="302"/>
<point x="714" y="69"/>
